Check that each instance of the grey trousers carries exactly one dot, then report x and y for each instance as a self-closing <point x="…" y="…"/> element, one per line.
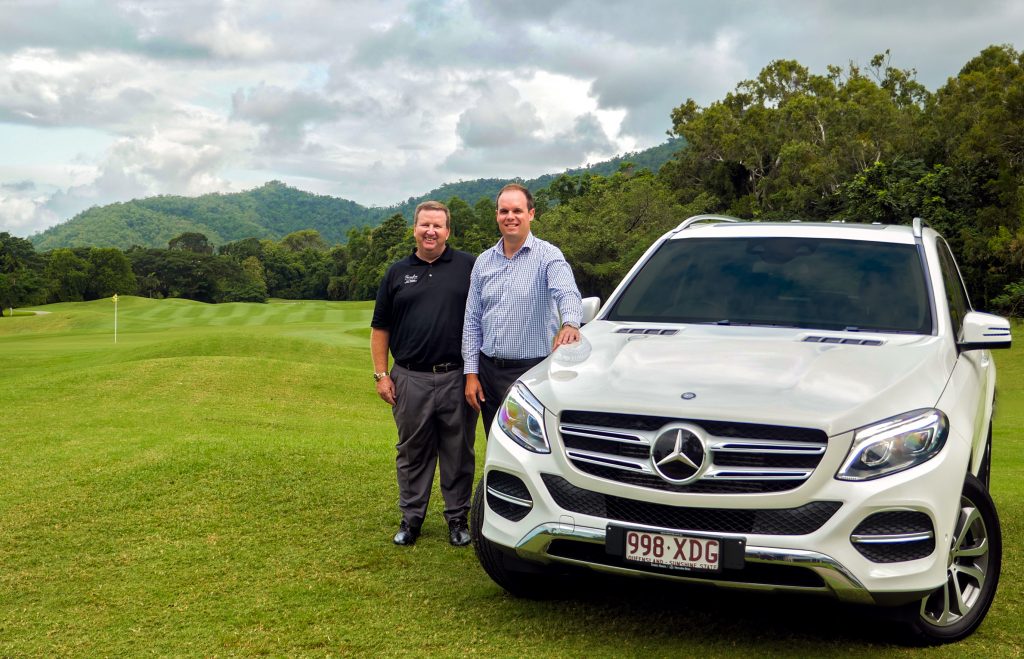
<point x="435" y="424"/>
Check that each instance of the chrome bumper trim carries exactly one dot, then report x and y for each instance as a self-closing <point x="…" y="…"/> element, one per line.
<point x="508" y="498"/>
<point x="891" y="539"/>
<point x="838" y="580"/>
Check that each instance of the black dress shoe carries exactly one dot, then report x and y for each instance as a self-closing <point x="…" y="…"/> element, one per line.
<point x="407" y="534"/>
<point x="458" y="532"/>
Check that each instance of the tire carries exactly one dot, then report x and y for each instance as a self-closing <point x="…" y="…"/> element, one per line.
<point x="520" y="578"/>
<point x="985" y="468"/>
<point x="955" y="609"/>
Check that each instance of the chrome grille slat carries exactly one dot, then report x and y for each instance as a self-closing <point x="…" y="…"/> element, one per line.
<point x="617" y="462"/>
<point x="739" y="473"/>
<point x="764" y="446"/>
<point x="602" y="433"/>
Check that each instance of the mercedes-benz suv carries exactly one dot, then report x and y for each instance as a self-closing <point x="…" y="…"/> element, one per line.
<point x="792" y="406"/>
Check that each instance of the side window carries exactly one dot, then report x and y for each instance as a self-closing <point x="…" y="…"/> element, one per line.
<point x="956" y="296"/>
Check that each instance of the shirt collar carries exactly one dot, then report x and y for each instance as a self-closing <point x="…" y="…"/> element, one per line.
<point x="527" y="244"/>
<point x="446" y="256"/>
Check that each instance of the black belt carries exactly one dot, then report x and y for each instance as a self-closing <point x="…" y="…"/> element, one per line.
<point x="433" y="368"/>
<point x="511" y="363"/>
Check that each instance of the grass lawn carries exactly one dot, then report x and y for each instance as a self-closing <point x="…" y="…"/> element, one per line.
<point x="221" y="482"/>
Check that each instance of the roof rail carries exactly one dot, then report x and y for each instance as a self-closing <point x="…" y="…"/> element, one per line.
<point x="919" y="225"/>
<point x="698" y="219"/>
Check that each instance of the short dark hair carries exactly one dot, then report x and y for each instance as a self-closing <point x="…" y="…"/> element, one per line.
<point x="520" y="188"/>
<point x="431" y="205"/>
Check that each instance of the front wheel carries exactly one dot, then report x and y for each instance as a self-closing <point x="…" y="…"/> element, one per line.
<point x="955" y="609"/>
<point x="520" y="578"/>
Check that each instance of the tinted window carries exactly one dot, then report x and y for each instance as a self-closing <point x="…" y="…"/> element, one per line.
<point x="956" y="296"/>
<point x="796" y="282"/>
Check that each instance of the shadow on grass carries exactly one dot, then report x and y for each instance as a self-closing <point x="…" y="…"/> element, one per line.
<point x="666" y="615"/>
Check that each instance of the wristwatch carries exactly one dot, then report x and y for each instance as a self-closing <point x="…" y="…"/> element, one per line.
<point x="377" y="377"/>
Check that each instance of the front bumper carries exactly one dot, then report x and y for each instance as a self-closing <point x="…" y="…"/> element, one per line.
<point x="823" y="561"/>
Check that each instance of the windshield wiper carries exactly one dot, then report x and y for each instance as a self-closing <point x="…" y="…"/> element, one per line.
<point x="737" y="323"/>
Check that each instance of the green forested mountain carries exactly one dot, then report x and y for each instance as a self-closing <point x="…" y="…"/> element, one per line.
<point x="273" y="211"/>
<point x="472" y="191"/>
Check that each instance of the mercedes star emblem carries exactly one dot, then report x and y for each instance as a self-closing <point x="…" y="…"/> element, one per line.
<point x="678" y="454"/>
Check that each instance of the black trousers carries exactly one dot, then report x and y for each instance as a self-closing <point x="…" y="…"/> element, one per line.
<point x="435" y="424"/>
<point x="496" y="381"/>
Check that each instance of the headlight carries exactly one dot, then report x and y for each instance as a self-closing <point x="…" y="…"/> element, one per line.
<point x="895" y="444"/>
<point x="521" y="416"/>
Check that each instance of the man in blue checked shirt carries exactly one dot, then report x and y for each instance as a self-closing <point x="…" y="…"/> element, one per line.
<point x="523" y="303"/>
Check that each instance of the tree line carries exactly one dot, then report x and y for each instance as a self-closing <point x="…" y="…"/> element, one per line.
<point x="859" y="144"/>
<point x="302" y="265"/>
<point x="856" y="144"/>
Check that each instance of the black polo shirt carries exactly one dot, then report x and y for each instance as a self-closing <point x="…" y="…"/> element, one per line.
<point x="422" y="305"/>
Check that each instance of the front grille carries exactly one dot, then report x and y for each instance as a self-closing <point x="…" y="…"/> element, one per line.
<point x="785" y="521"/>
<point x="718" y="428"/>
<point x="508" y="496"/>
<point x="744" y="458"/>
<point x="596" y="445"/>
<point x="726" y="459"/>
<point x="753" y="573"/>
<point x="654" y="482"/>
<point x="894" y="536"/>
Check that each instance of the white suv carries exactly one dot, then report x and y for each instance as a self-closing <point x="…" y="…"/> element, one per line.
<point x="789" y="406"/>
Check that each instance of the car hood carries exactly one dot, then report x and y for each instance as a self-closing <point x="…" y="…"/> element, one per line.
<point x="783" y="376"/>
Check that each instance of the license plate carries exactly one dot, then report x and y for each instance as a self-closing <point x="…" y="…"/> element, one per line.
<point x="674" y="551"/>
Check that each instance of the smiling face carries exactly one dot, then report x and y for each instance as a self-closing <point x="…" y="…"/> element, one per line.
<point x="514" y="216"/>
<point x="431" y="233"/>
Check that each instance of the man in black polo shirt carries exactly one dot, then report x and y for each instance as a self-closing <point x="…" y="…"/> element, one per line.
<point x="418" y="316"/>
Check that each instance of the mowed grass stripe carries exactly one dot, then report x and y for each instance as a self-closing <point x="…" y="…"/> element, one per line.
<point x="205" y="489"/>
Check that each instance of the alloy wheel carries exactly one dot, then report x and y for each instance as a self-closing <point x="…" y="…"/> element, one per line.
<point x="966" y="573"/>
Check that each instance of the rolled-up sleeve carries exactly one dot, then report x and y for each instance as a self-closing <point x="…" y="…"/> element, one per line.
<point x="563" y="289"/>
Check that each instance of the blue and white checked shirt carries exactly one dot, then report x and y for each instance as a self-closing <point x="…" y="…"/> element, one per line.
<point x="515" y="303"/>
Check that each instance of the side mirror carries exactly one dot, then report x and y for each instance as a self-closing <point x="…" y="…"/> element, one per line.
<point x="591" y="305"/>
<point x="983" y="331"/>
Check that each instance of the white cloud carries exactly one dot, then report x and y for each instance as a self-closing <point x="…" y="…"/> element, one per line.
<point x="22" y="216"/>
<point x="380" y="101"/>
<point x="502" y="135"/>
<point x="498" y="120"/>
<point x="226" y="38"/>
<point x="284" y="115"/>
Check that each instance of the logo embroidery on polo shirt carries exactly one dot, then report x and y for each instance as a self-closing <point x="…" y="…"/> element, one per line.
<point x="412" y="279"/>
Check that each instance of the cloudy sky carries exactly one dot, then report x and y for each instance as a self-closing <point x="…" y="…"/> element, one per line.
<point x="104" y="101"/>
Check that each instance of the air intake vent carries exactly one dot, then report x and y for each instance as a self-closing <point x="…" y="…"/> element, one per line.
<point x="652" y="331"/>
<point x="894" y="536"/>
<point x="843" y="340"/>
<point x="508" y="495"/>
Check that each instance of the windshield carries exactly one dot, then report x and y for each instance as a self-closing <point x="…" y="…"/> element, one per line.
<point x="792" y="282"/>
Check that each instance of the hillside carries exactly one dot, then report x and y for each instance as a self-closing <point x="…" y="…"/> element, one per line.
<point x="273" y="211"/>
<point x="472" y="191"/>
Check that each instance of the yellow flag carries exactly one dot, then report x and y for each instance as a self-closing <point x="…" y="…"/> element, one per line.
<point x="115" y="298"/>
